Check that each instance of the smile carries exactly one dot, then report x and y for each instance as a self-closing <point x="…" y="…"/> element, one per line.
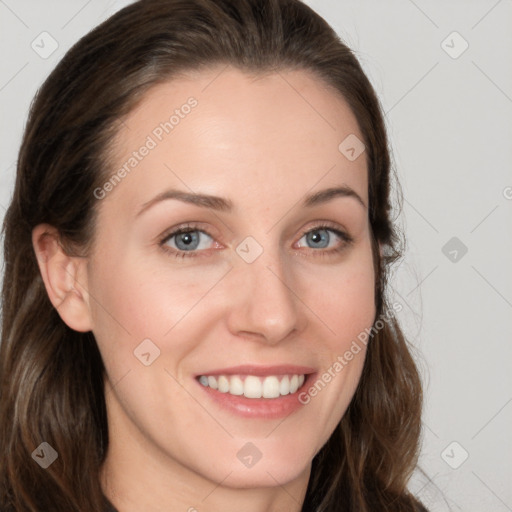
<point x="253" y="386"/>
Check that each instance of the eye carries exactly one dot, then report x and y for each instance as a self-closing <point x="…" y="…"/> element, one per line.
<point x="188" y="240"/>
<point x="323" y="237"/>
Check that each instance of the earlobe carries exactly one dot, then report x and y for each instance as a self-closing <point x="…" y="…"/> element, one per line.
<point x="64" y="276"/>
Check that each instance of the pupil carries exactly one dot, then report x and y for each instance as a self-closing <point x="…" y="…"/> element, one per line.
<point x="319" y="238"/>
<point x="186" y="241"/>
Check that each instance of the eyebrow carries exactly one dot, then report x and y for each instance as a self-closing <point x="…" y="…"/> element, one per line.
<point x="330" y="193"/>
<point x="225" y="205"/>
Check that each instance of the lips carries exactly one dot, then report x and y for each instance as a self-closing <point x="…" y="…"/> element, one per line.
<point x="257" y="391"/>
<point x="250" y="391"/>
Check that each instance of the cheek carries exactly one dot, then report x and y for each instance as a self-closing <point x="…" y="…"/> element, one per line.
<point x="342" y="301"/>
<point x="136" y="299"/>
<point x="342" y="297"/>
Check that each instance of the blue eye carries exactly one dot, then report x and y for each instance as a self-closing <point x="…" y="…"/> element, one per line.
<point x="322" y="238"/>
<point x="189" y="240"/>
<point x="318" y="239"/>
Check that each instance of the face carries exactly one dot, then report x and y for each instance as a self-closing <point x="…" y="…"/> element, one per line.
<point x="224" y="282"/>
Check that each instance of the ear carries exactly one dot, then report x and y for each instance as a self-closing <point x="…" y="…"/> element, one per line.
<point x="64" y="276"/>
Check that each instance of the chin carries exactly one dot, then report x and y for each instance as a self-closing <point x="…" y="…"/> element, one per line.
<point x="263" y="463"/>
<point x="270" y="474"/>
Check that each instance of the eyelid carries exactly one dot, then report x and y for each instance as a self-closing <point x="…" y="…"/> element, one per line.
<point x="319" y="224"/>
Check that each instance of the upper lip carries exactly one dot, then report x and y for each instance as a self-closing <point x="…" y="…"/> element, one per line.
<point x="260" y="370"/>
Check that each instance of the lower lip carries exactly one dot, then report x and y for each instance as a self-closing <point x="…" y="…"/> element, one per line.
<point x="266" y="408"/>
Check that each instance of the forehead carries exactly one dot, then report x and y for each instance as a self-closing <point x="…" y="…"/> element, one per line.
<point x="223" y="130"/>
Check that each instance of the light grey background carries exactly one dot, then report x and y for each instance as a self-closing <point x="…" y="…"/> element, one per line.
<point x="450" y="125"/>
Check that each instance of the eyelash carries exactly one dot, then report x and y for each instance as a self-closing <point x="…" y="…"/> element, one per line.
<point x="345" y="237"/>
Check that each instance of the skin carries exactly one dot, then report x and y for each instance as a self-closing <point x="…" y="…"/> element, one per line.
<point x="264" y="145"/>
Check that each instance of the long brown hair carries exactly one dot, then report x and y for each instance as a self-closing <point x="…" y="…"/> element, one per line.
<point x="51" y="377"/>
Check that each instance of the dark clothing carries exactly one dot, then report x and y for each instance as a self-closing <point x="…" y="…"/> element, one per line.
<point x="110" y="507"/>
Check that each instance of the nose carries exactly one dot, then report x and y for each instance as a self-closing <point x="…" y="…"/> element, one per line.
<point x="264" y="305"/>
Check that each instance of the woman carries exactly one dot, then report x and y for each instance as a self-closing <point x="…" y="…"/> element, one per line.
<point x="194" y="298"/>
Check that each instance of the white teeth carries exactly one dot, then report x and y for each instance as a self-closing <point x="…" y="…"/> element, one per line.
<point x="271" y="387"/>
<point x="212" y="382"/>
<point x="294" y="384"/>
<point x="236" y="386"/>
<point x="252" y="386"/>
<point x="284" y="386"/>
<point x="223" y="383"/>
